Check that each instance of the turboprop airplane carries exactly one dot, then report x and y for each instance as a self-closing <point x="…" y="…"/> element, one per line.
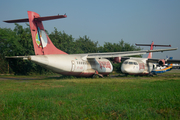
<point x="48" y="56"/>
<point x="147" y="66"/>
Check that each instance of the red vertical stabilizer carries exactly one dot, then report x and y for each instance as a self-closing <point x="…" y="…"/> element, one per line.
<point x="151" y="48"/>
<point x="42" y="43"/>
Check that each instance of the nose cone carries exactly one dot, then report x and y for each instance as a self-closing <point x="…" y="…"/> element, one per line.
<point x="124" y="69"/>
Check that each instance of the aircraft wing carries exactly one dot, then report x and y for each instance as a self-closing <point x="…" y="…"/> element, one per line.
<point x="122" y="54"/>
<point x="172" y="61"/>
<point x="108" y="54"/>
<point x="166" y="61"/>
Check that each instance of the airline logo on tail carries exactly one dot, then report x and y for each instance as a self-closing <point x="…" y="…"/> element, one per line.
<point x="41" y="38"/>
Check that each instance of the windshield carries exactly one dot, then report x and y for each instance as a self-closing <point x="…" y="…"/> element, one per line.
<point x="135" y="63"/>
<point x="131" y="63"/>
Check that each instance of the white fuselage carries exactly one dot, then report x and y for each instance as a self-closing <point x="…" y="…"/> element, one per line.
<point x="136" y="66"/>
<point x="73" y="64"/>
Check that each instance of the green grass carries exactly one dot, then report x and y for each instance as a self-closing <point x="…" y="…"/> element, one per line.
<point x="107" y="98"/>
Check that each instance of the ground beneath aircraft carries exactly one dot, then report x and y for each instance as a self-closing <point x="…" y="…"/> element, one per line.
<point x="172" y="73"/>
<point x="13" y="77"/>
<point x="38" y="97"/>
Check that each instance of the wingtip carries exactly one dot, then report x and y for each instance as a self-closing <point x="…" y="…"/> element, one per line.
<point x="65" y="15"/>
<point x="5" y="21"/>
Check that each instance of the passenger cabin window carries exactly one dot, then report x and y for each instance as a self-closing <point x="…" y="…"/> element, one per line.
<point x="131" y="63"/>
<point x="126" y="62"/>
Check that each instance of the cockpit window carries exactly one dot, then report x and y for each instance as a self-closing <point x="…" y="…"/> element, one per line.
<point x="131" y="63"/>
<point x="135" y="63"/>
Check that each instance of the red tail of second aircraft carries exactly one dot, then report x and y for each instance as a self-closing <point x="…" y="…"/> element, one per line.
<point x="151" y="48"/>
<point x="42" y="43"/>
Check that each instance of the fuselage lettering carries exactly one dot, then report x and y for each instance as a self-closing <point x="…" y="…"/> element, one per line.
<point x="105" y="64"/>
<point x="141" y="66"/>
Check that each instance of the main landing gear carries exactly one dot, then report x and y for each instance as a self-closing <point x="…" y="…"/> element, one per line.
<point x="97" y="75"/>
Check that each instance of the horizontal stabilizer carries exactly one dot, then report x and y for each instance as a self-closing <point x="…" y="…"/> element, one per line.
<point x="153" y="45"/>
<point x="37" y="19"/>
<point x="16" y="56"/>
<point x="50" y="17"/>
<point x="12" y="57"/>
<point x="17" y="21"/>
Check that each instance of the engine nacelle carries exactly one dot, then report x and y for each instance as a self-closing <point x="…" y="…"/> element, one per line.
<point x="161" y="62"/>
<point x="117" y="59"/>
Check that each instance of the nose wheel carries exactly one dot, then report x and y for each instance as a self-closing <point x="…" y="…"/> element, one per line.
<point x="126" y="74"/>
<point x="151" y="74"/>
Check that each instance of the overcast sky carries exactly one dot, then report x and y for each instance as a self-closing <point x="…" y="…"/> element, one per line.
<point x="134" y="21"/>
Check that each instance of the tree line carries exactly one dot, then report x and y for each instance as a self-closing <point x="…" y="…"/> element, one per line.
<point x="18" y="42"/>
